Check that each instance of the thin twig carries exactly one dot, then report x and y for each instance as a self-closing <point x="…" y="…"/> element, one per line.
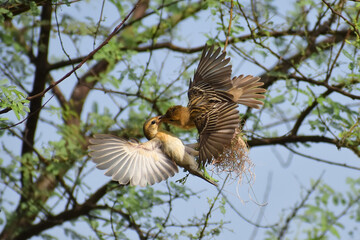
<point x="41" y="94"/>
<point x="352" y="202"/>
<point x="98" y="24"/>
<point x="321" y="160"/>
<point x="341" y="16"/>
<point x="294" y="212"/>
<point x="211" y="208"/>
<point x="262" y="209"/>
<point x="229" y="29"/>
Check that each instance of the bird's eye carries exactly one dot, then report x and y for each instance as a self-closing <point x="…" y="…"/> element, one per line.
<point x="153" y="122"/>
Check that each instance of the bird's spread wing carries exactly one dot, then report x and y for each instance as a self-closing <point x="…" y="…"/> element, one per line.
<point x="211" y="105"/>
<point x="212" y="70"/>
<point x="216" y="130"/>
<point x="131" y="162"/>
<point x="212" y="79"/>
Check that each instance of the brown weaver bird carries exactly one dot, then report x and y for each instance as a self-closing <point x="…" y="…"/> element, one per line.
<point x="213" y="100"/>
<point x="135" y="163"/>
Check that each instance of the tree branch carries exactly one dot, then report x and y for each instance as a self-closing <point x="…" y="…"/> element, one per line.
<point x="18" y="8"/>
<point x="293" y="214"/>
<point x="32" y="121"/>
<point x="77" y="211"/>
<point x="341" y="16"/>
<point x="290" y="139"/>
<point x="306" y="112"/>
<point x="47" y="182"/>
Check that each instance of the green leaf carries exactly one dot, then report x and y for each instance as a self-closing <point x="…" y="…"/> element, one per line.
<point x="334" y="232"/>
<point x="278" y="99"/>
<point x="35" y="11"/>
<point x="348" y="55"/>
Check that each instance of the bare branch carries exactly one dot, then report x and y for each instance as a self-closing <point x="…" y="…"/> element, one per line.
<point x="341" y="16"/>
<point x="75" y="212"/>
<point x="290" y="139"/>
<point x="293" y="214"/>
<point x="90" y="55"/>
<point x="321" y="160"/>
<point x="211" y="208"/>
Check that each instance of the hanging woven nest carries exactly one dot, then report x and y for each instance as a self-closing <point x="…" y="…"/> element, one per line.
<point x="235" y="159"/>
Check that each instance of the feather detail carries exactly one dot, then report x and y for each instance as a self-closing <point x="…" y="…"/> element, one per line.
<point x="213" y="99"/>
<point x="130" y="162"/>
<point x="246" y="89"/>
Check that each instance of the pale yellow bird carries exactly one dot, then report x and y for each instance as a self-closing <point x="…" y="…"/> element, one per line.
<point x="134" y="163"/>
<point x="213" y="100"/>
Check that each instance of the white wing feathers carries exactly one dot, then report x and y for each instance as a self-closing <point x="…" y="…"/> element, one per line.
<point x="130" y="162"/>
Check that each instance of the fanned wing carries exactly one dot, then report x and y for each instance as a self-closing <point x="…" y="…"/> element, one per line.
<point x="213" y="98"/>
<point x="217" y="130"/>
<point x="131" y="162"/>
<point x="211" y="106"/>
<point x="212" y="77"/>
<point x="212" y="69"/>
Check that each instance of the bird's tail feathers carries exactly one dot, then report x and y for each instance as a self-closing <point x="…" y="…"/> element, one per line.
<point x="246" y="89"/>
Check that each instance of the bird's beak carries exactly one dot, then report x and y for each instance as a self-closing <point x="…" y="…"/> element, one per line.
<point x="159" y="119"/>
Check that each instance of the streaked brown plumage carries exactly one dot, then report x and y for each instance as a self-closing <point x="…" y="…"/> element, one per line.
<point x="213" y="99"/>
<point x="140" y="164"/>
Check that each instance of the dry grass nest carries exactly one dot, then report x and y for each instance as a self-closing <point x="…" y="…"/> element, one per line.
<point x="235" y="159"/>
